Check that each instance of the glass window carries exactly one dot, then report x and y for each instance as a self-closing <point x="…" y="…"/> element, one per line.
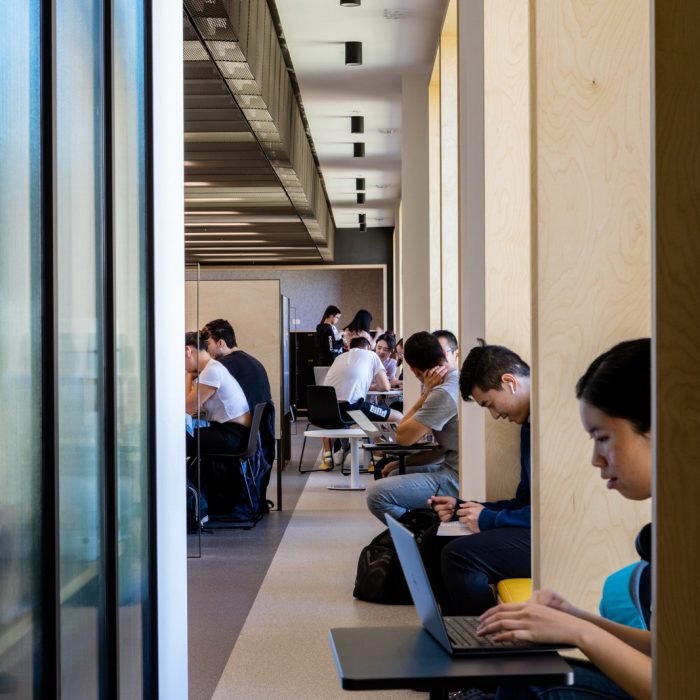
<point x="20" y="343"/>
<point x="131" y="336"/>
<point x="79" y="216"/>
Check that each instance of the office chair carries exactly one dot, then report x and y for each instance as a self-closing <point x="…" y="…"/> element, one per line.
<point x="323" y="412"/>
<point x="245" y="465"/>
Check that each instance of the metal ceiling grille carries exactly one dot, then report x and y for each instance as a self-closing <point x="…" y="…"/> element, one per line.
<point x="252" y="187"/>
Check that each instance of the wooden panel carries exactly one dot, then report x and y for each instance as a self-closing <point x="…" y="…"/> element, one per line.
<point x="252" y="307"/>
<point x="449" y="185"/>
<point x="507" y="213"/>
<point x="677" y="478"/>
<point x="591" y="269"/>
<point x="435" y="197"/>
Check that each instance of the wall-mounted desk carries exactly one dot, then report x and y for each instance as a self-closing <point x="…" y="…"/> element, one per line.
<point x="389" y="658"/>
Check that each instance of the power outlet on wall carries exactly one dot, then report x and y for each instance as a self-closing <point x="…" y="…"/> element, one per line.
<point x="296" y="321"/>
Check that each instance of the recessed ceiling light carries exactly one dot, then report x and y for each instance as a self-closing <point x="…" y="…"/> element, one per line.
<point x="353" y="53"/>
<point x="358" y="149"/>
<point x="350" y="3"/>
<point x="357" y="125"/>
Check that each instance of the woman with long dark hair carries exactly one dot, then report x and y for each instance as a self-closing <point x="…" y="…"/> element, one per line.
<point x="615" y="405"/>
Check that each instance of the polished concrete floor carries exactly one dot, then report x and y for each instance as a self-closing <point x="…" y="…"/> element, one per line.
<point x="261" y="602"/>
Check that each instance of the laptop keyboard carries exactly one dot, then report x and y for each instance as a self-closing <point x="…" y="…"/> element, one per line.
<point x="462" y="634"/>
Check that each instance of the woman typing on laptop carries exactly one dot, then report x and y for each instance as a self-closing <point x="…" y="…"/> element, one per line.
<point x="615" y="408"/>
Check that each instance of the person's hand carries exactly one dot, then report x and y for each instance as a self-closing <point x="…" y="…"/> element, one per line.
<point x="468" y="514"/>
<point x="434" y="377"/>
<point x="444" y="506"/>
<point x="552" y="599"/>
<point x="389" y="467"/>
<point x="531" y="622"/>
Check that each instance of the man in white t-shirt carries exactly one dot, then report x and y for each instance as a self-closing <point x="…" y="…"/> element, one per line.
<point x="352" y="374"/>
<point x="213" y="394"/>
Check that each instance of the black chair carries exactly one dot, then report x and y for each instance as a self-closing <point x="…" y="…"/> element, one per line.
<point x="323" y="412"/>
<point x="245" y="464"/>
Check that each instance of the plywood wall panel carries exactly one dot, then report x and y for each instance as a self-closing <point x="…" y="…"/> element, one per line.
<point x="592" y="262"/>
<point x="507" y="213"/>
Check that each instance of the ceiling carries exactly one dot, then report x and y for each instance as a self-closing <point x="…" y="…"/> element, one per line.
<point x="236" y="209"/>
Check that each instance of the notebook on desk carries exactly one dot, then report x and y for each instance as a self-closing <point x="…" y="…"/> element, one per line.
<point x="457" y="635"/>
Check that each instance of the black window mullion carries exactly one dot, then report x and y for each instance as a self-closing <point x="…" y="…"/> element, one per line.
<point x="109" y="625"/>
<point x="150" y="607"/>
<point x="47" y="644"/>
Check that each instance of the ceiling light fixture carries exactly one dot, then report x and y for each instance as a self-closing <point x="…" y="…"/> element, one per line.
<point x="357" y="125"/>
<point x="350" y="3"/>
<point x="359" y="183"/>
<point x="360" y="197"/>
<point x="358" y="149"/>
<point x="353" y="53"/>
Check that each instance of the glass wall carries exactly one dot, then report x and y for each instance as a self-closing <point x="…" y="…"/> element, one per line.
<point x="75" y="303"/>
<point x="131" y="335"/>
<point x="20" y="344"/>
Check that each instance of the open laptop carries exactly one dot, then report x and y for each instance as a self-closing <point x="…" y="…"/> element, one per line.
<point x="383" y="434"/>
<point x="456" y="634"/>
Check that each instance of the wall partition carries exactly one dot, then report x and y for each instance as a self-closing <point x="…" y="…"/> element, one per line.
<point x="77" y="569"/>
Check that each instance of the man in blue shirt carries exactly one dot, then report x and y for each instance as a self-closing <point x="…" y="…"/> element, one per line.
<point x="499" y="546"/>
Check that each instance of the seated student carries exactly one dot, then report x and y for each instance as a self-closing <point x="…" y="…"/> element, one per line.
<point x="434" y="413"/>
<point x="397" y="382"/>
<point x="359" y="327"/>
<point x="249" y="373"/>
<point x="615" y="405"/>
<point x="448" y="340"/>
<point x="384" y="347"/>
<point x="212" y="393"/>
<point x="462" y="569"/>
<point x="352" y="374"/>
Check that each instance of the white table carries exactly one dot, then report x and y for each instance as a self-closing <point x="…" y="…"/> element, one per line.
<point x="355" y="435"/>
<point x="391" y="393"/>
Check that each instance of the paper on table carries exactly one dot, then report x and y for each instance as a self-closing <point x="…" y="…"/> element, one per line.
<point x="453" y="528"/>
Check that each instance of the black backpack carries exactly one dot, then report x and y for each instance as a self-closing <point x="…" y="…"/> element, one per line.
<point x="379" y="576"/>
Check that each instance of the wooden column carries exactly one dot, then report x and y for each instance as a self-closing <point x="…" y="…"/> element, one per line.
<point x="591" y="268"/>
<point x="676" y="323"/>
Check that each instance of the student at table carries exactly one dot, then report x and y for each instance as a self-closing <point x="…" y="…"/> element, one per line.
<point x="360" y="327"/>
<point x="434" y="413"/>
<point x="448" y="340"/>
<point x="212" y="393"/>
<point x="615" y="407"/>
<point x="385" y="347"/>
<point x="463" y="569"/>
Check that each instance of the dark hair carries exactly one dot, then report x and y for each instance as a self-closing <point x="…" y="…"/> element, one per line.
<point x="221" y="329"/>
<point x="423" y="351"/>
<point x="330" y="311"/>
<point x="449" y="336"/>
<point x="192" y="338"/>
<point x="360" y="342"/>
<point x="618" y="382"/>
<point x="361" y="322"/>
<point x="389" y="338"/>
<point x="486" y="364"/>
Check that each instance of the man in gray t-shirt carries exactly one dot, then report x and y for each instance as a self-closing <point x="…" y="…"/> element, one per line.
<point x="436" y="412"/>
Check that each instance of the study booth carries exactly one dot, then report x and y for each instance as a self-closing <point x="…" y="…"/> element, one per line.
<point x="259" y="315"/>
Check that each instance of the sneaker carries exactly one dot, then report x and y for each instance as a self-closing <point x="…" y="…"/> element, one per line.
<point x="327" y="461"/>
<point x="339" y="457"/>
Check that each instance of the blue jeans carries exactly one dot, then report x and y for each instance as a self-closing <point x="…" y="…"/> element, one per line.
<point x="397" y="494"/>
<point x="589" y="684"/>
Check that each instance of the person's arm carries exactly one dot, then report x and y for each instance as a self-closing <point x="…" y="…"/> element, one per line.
<point x="534" y="622"/>
<point x="194" y="399"/>
<point x="381" y="381"/>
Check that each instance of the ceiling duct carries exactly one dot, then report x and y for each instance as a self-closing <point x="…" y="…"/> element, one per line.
<point x="243" y="42"/>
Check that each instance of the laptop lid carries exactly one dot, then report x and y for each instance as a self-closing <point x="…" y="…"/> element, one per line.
<point x="418" y="582"/>
<point x="370" y="429"/>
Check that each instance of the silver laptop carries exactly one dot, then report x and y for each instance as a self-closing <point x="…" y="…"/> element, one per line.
<point x="376" y="432"/>
<point x="456" y="634"/>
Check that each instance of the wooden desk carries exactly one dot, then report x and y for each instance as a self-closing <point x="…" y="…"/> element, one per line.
<point x="389" y="658"/>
